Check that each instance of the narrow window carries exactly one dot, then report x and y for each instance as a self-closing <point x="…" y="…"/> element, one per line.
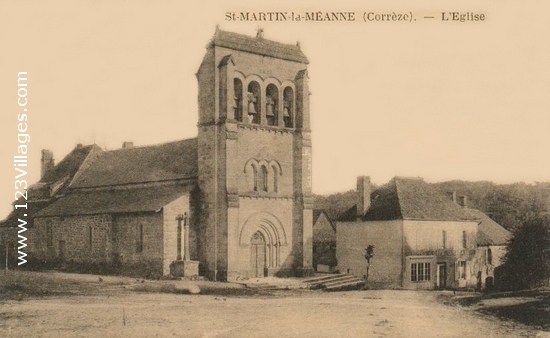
<point x="444" y="239"/>
<point x="255" y="178"/>
<point x="238" y="99"/>
<point x="49" y="235"/>
<point x="489" y="256"/>
<point x="140" y="239"/>
<point x="464" y="240"/>
<point x="275" y="178"/>
<point x="288" y="107"/>
<point x="272" y="105"/>
<point x="90" y="236"/>
<point x="414" y="276"/>
<point x="262" y="178"/>
<point x="254" y="104"/>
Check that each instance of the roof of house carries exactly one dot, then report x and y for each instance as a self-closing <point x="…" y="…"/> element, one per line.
<point x="489" y="232"/>
<point x="258" y="45"/>
<point x="409" y="198"/>
<point x="317" y="213"/>
<point x="114" y="201"/>
<point x="163" y="162"/>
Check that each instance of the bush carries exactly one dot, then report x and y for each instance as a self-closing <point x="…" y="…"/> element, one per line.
<point x="527" y="259"/>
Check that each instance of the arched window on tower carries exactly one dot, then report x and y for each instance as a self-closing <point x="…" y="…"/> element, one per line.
<point x="254" y="104"/>
<point x="275" y="171"/>
<point x="288" y="107"/>
<point x="272" y="104"/>
<point x="238" y="99"/>
<point x="262" y="179"/>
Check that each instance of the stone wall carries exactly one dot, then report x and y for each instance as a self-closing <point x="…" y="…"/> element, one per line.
<point x="386" y="269"/>
<point x="124" y="243"/>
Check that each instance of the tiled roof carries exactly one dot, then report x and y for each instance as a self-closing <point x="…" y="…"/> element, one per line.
<point x="259" y="45"/>
<point x="56" y="180"/>
<point x="489" y="232"/>
<point x="109" y="201"/>
<point x="409" y="198"/>
<point x="168" y="161"/>
<point x="70" y="164"/>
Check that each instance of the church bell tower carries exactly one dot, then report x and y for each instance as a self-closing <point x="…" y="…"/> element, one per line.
<point x="254" y="159"/>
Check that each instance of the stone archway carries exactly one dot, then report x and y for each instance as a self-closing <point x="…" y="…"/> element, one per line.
<point x="264" y="234"/>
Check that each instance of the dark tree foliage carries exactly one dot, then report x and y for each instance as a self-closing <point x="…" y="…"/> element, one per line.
<point x="527" y="259"/>
<point x="335" y="204"/>
<point x="510" y="205"/>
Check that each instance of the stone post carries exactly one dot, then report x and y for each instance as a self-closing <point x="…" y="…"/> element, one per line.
<point x="179" y="218"/>
<point x="186" y="255"/>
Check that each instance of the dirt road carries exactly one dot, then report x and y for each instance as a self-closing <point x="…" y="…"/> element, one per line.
<point x="303" y="314"/>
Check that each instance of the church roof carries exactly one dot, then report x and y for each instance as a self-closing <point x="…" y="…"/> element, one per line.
<point x="259" y="45"/>
<point x="163" y="162"/>
<point x="108" y="201"/>
<point x="489" y="232"/>
<point x="70" y="164"/>
<point x="412" y="199"/>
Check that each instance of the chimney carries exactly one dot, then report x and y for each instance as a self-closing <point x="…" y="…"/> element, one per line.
<point x="363" y="195"/>
<point x="452" y="196"/>
<point x="46" y="162"/>
<point x="127" y="145"/>
<point x="260" y="33"/>
<point x="463" y="201"/>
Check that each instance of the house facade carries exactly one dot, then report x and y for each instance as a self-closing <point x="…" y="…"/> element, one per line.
<point x="241" y="190"/>
<point x="421" y="239"/>
<point x="491" y="240"/>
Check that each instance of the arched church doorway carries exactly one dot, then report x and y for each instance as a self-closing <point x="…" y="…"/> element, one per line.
<point x="257" y="255"/>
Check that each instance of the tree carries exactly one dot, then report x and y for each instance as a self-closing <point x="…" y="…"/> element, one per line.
<point x="527" y="259"/>
<point x="369" y="253"/>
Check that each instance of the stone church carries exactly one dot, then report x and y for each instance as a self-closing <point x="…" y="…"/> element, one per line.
<point x="234" y="202"/>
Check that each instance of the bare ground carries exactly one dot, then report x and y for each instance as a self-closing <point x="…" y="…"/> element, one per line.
<point x="123" y="307"/>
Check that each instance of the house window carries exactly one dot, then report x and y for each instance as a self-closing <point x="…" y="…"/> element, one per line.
<point x="489" y="256"/>
<point x="444" y="239"/>
<point x="464" y="240"/>
<point x="461" y="270"/>
<point x="139" y="247"/>
<point x="420" y="272"/>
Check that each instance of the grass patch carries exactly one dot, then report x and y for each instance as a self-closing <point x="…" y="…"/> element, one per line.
<point x="528" y="307"/>
<point x="21" y="285"/>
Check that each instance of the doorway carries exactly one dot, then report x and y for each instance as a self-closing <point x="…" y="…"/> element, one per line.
<point x="257" y="255"/>
<point x="441" y="280"/>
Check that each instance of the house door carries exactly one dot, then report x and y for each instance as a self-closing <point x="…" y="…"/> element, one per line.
<point x="441" y="275"/>
<point x="257" y="255"/>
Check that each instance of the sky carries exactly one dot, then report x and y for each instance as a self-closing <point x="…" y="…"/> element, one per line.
<point x="437" y="99"/>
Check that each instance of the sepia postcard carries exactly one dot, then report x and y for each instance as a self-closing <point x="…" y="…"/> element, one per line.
<point x="274" y="169"/>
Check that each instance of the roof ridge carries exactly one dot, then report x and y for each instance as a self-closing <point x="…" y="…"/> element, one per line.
<point x="150" y="145"/>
